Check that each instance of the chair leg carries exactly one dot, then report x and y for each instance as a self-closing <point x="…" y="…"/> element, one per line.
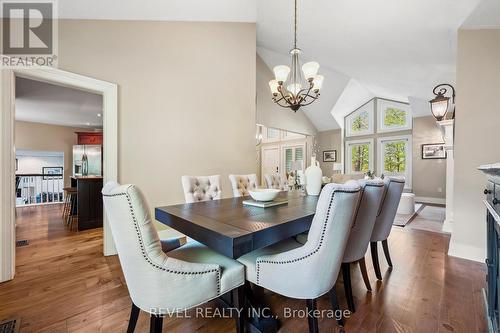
<point x="239" y="304"/>
<point x="134" y="314"/>
<point x="156" y="324"/>
<point x="376" y="265"/>
<point x="335" y="306"/>
<point x="346" y="273"/>
<point x="385" y="246"/>
<point x="364" y="273"/>
<point x="313" y="321"/>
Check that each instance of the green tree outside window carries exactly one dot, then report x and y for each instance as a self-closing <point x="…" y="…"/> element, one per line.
<point x="360" y="123"/>
<point x="360" y="158"/>
<point x="395" y="157"/>
<point x="394" y="117"/>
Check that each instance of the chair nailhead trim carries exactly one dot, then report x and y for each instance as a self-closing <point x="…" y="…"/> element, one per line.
<point x="145" y="254"/>
<point x="320" y="241"/>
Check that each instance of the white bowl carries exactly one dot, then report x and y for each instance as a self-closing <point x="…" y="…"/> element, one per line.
<point x="264" y="194"/>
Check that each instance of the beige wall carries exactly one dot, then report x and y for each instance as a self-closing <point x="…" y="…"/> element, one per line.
<point x="186" y="97"/>
<point x="329" y="140"/>
<point x="428" y="175"/>
<point x="271" y="115"/>
<point x="476" y="136"/>
<point x="42" y="137"/>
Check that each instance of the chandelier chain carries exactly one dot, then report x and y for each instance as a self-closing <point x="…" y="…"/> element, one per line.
<point x="295" y="27"/>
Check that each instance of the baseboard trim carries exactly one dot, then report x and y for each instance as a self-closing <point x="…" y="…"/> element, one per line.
<point x="431" y="200"/>
<point x="466" y="252"/>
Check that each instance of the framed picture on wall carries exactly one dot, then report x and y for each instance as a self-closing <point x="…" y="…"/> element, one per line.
<point x="433" y="151"/>
<point x="48" y="171"/>
<point x="330" y="156"/>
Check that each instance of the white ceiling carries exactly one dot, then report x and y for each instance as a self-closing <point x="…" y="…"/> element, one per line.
<point x="46" y="103"/>
<point x="162" y="10"/>
<point x="386" y="48"/>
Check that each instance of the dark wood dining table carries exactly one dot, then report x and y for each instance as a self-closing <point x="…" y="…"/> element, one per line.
<point x="233" y="229"/>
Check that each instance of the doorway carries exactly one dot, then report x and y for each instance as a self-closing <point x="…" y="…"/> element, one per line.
<point x="107" y="90"/>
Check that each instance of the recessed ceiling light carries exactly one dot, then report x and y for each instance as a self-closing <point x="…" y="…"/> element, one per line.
<point x="99" y="115"/>
<point x="88" y="124"/>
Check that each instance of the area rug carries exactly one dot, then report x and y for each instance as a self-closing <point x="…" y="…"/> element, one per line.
<point x="10" y="325"/>
<point x="403" y="219"/>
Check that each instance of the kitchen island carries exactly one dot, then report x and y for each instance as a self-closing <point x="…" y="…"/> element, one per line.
<point x="89" y="201"/>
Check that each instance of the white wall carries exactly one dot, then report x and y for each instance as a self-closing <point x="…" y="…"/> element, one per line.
<point x="186" y="97"/>
<point x="33" y="162"/>
<point x="477" y="126"/>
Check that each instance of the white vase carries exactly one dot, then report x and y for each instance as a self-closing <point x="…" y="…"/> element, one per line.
<point x="313" y="178"/>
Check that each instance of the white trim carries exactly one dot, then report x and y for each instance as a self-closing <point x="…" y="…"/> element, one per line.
<point x="347" y="164"/>
<point x="431" y="200"/>
<point x="381" y="128"/>
<point x="262" y="149"/>
<point x="466" y="252"/>
<point x="368" y="108"/>
<point x="409" y="157"/>
<point x="108" y="90"/>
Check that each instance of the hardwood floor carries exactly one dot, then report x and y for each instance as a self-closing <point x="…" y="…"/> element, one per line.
<point x="64" y="284"/>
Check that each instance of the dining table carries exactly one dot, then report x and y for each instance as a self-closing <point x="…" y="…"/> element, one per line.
<point x="233" y="229"/>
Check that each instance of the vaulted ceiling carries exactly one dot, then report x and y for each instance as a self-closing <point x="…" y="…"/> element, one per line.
<point x="386" y="48"/>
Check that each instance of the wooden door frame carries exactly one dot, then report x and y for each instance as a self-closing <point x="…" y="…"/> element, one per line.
<point x="108" y="90"/>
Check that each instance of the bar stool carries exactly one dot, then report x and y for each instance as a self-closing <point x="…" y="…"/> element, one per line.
<point x="66" y="204"/>
<point x="70" y="206"/>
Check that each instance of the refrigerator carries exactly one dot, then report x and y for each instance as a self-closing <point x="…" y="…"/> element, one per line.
<point x="87" y="160"/>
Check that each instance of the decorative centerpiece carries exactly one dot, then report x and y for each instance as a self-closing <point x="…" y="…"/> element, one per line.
<point x="264" y="197"/>
<point x="314" y="177"/>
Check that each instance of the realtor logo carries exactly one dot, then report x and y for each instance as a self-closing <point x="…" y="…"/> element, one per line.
<point x="28" y="32"/>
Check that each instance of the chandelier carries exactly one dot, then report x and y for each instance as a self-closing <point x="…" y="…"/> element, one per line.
<point x="289" y="88"/>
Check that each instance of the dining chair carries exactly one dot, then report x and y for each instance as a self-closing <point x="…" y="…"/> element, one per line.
<point x="359" y="237"/>
<point x="242" y="183"/>
<point x="201" y="188"/>
<point x="393" y="188"/>
<point x="308" y="271"/>
<point x="276" y="181"/>
<point x="159" y="282"/>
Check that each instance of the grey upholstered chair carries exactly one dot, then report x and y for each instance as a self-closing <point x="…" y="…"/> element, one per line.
<point x="359" y="238"/>
<point x="276" y="181"/>
<point x="242" y="183"/>
<point x="308" y="271"/>
<point x="201" y="188"/>
<point x="161" y="282"/>
<point x="357" y="245"/>
<point x="393" y="188"/>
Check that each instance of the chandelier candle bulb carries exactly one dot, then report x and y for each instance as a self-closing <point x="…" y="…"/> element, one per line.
<point x="294" y="88"/>
<point x="281" y="73"/>
<point x="273" y="84"/>
<point x="310" y="69"/>
<point x="318" y="82"/>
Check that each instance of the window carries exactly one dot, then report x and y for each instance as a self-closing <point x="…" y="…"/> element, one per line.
<point x="395" y="157"/>
<point x="393" y="116"/>
<point x="360" y="122"/>
<point x="292" y="154"/>
<point x="359" y="156"/>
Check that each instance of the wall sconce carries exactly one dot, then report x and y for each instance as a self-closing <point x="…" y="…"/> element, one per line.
<point x="440" y="104"/>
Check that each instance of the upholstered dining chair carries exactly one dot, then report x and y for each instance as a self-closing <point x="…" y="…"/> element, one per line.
<point x="242" y="183"/>
<point x="201" y="188"/>
<point x="276" y="181"/>
<point x="393" y="188"/>
<point x="359" y="237"/>
<point x="160" y="282"/>
<point x="308" y="271"/>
